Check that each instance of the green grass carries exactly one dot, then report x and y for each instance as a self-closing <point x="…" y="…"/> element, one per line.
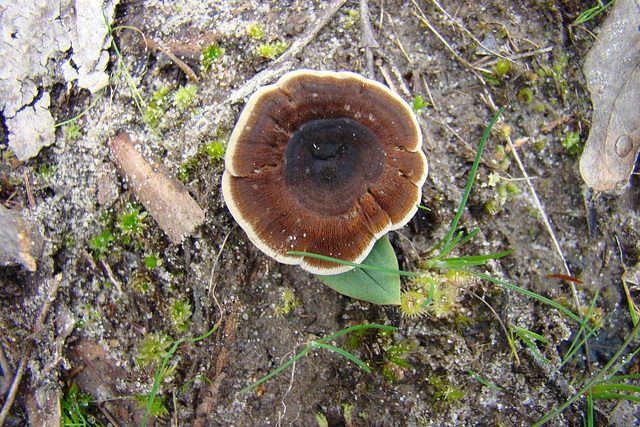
<point x="478" y="378"/>
<point x="151" y="405"/>
<point x="321" y="343"/>
<point x="591" y="13"/>
<point x="74" y="407"/>
<point x="614" y="364"/>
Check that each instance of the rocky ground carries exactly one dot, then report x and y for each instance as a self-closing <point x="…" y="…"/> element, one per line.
<point x="114" y="289"/>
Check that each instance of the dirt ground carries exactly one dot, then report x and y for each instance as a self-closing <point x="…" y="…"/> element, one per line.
<point x="460" y="369"/>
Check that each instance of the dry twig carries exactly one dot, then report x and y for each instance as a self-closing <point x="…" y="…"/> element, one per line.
<point x="368" y="41"/>
<point x="32" y="203"/>
<point x="7" y="375"/>
<point x="184" y="67"/>
<point x="212" y="285"/>
<point x="167" y="200"/>
<point x="284" y="62"/>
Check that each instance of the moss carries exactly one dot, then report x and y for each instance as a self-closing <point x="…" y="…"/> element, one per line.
<point x="272" y="50"/>
<point x="131" y="222"/>
<point x="216" y="149"/>
<point x="154" y="348"/>
<point x="352" y="18"/>
<point x="209" y="55"/>
<point x="181" y="312"/>
<point x="183" y="97"/>
<point x="396" y="359"/>
<point x="255" y="31"/>
<point x="47" y="172"/>
<point x="288" y="302"/>
<point x="501" y="67"/>
<point x="446" y="392"/>
<point x="492" y="80"/>
<point x="152" y="261"/>
<point x="573" y="144"/>
<point x="525" y="95"/>
<point x="72" y="131"/>
<point x="101" y="243"/>
<point x="158" y="407"/>
<point x="156" y="107"/>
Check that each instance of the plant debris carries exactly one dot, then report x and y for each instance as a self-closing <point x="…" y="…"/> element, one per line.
<point x="166" y="199"/>
<point x="16" y="244"/>
<point x="613" y="78"/>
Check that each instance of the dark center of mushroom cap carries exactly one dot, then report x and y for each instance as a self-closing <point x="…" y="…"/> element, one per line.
<point x="323" y="162"/>
<point x="330" y="164"/>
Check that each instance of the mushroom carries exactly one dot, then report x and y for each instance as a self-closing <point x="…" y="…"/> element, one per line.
<point x="323" y="162"/>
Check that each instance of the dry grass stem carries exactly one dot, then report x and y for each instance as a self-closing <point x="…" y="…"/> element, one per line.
<point x="464" y="29"/>
<point x="184" y="67"/>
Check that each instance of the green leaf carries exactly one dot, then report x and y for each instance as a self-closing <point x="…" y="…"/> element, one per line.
<point x="419" y="104"/>
<point x="378" y="287"/>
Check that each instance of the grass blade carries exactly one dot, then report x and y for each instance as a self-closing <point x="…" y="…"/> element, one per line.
<point x="357" y="328"/>
<point x="321" y="343"/>
<point x="528" y="293"/>
<point x="575" y="347"/>
<point x="277" y="371"/>
<point x="482" y="381"/>
<point x="472" y="177"/>
<point x="593" y="381"/>
<point x="342" y="352"/>
<point x="616" y="396"/>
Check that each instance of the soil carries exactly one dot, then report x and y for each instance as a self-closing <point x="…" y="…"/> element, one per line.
<point x="461" y="369"/>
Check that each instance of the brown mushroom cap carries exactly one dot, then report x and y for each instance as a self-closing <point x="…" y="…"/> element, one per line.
<point x="323" y="162"/>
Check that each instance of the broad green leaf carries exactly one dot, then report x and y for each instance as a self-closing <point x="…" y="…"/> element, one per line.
<point x="377" y="287"/>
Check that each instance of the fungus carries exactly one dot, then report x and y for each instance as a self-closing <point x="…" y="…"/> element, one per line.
<point x="323" y="162"/>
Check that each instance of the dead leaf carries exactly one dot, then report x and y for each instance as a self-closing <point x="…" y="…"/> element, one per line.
<point x="632" y="275"/>
<point x="43" y="406"/>
<point x="166" y="199"/>
<point x="100" y="378"/>
<point x="15" y="238"/>
<point x="613" y="78"/>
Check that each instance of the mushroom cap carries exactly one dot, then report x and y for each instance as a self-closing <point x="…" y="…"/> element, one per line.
<point x="323" y="162"/>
